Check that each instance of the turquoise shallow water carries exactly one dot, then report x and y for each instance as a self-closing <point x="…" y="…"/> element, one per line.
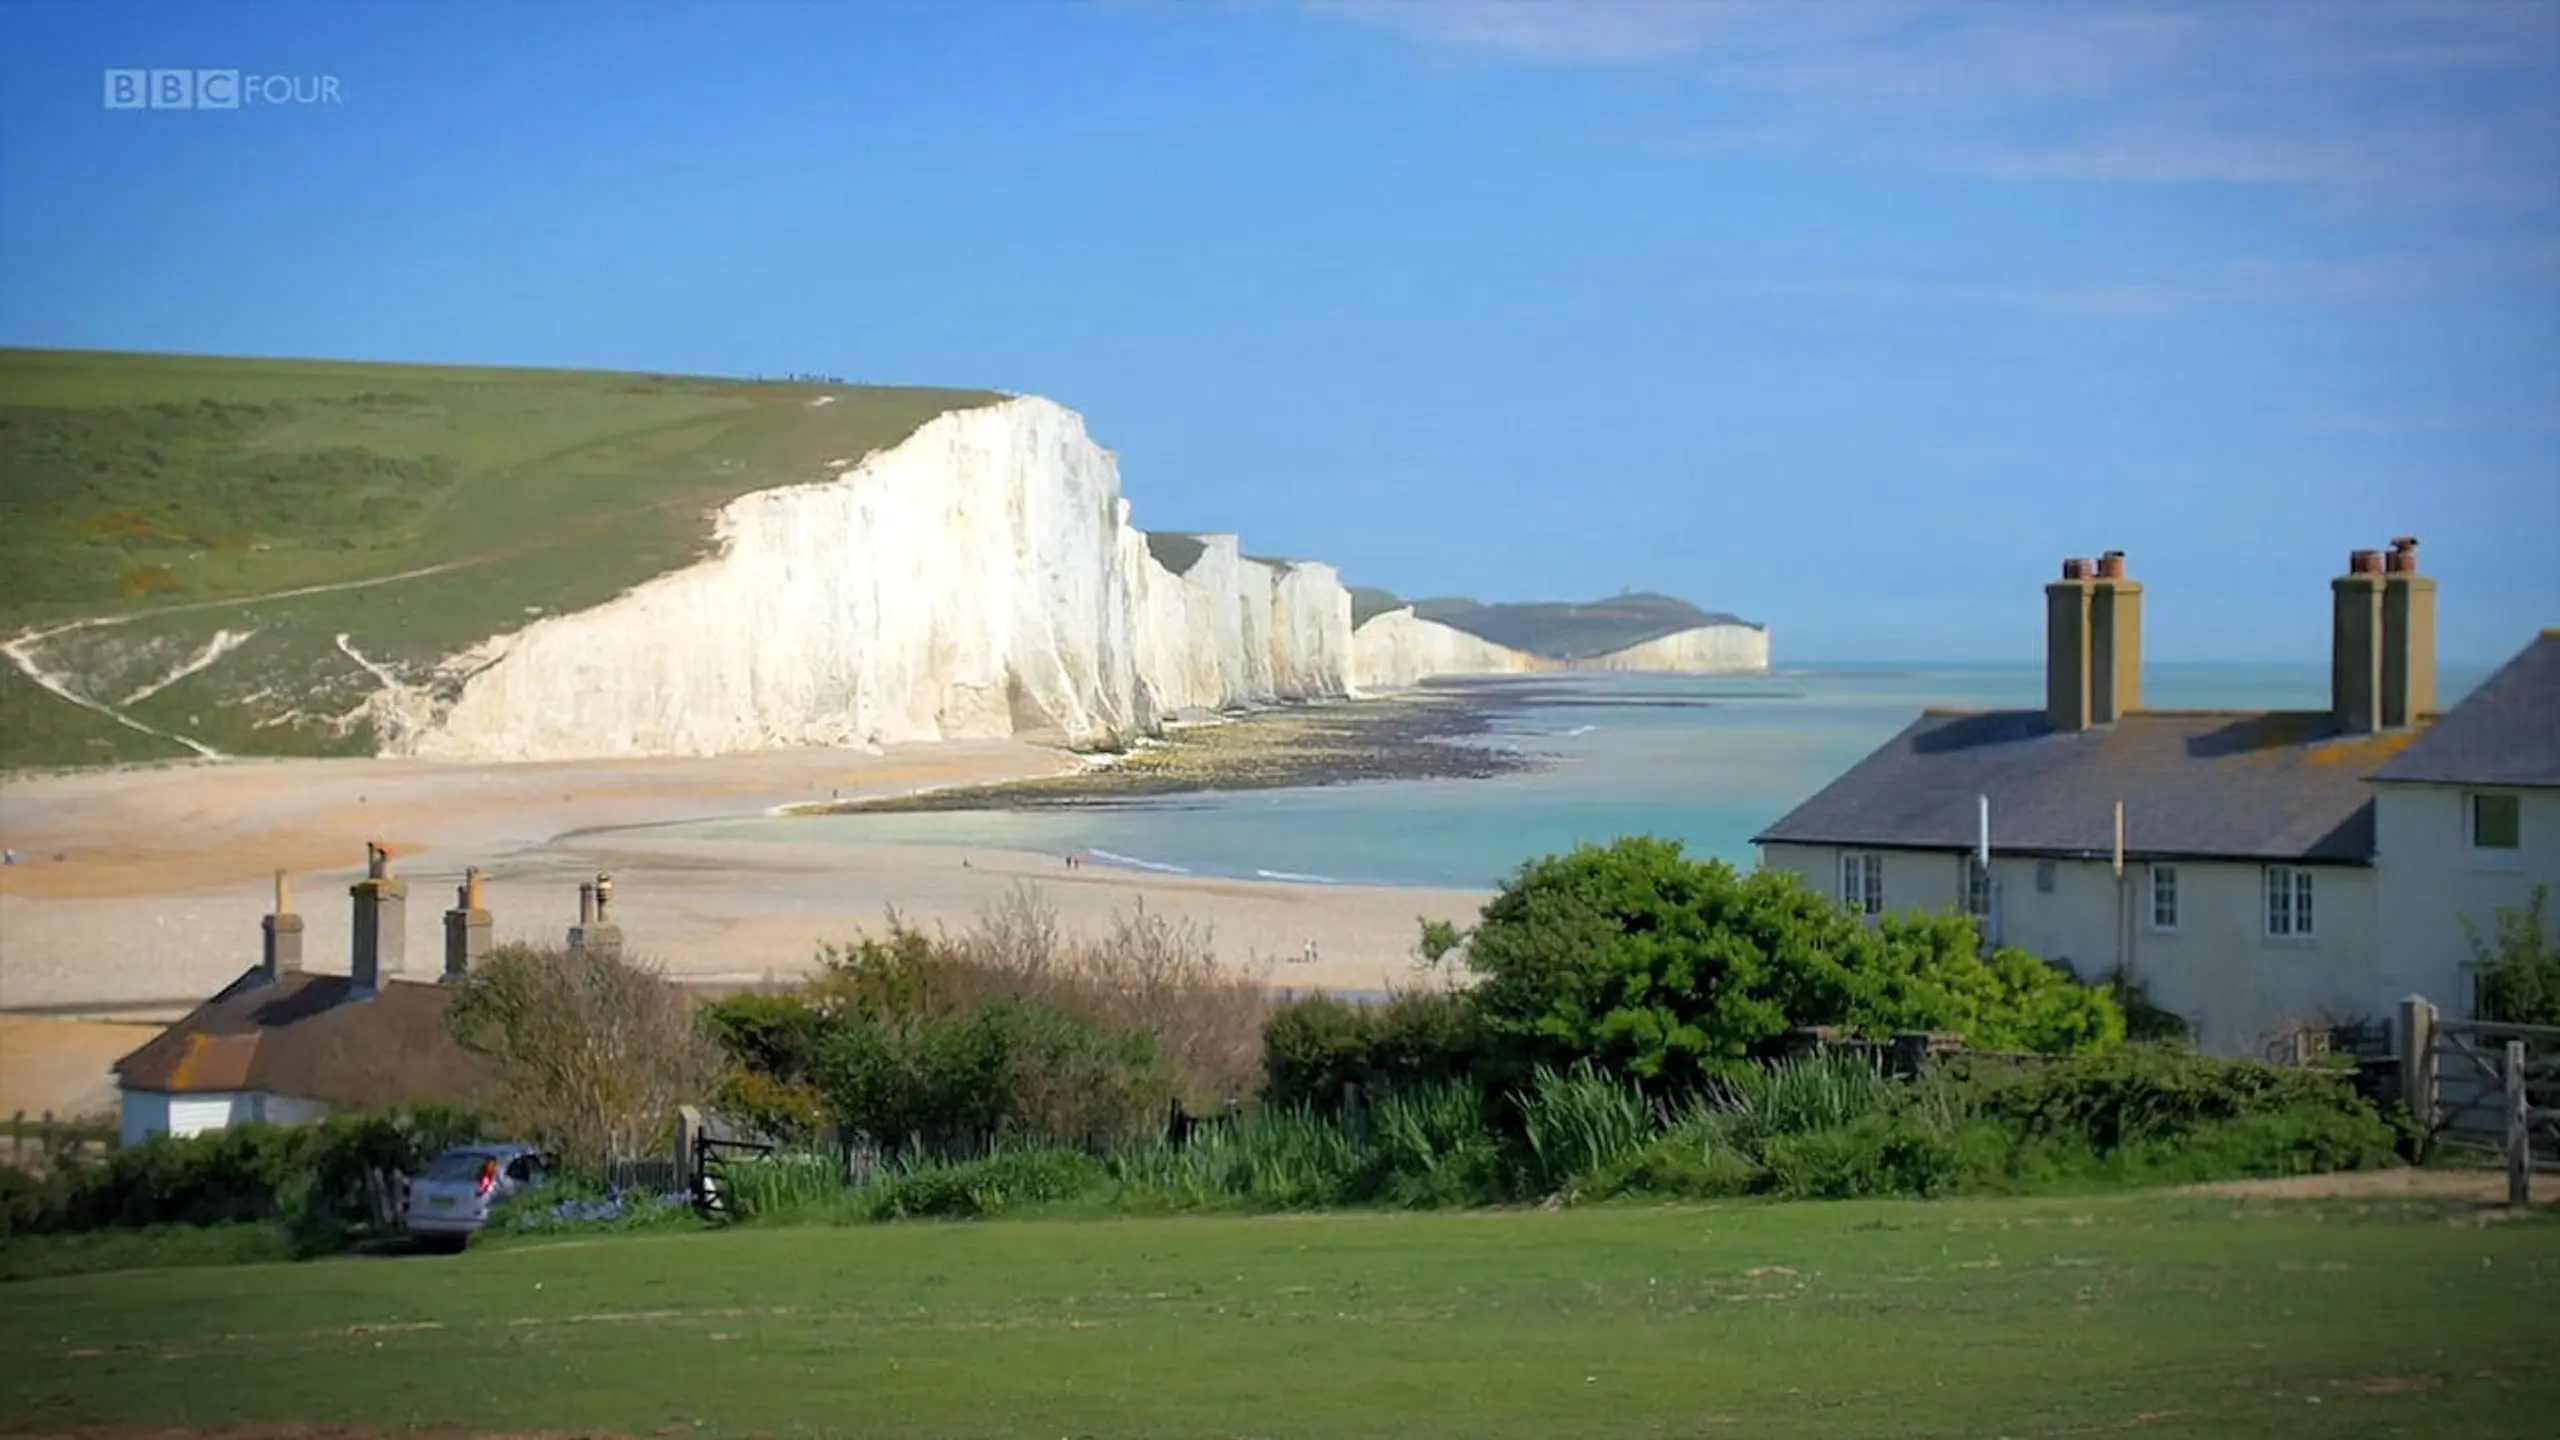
<point x="1705" y="760"/>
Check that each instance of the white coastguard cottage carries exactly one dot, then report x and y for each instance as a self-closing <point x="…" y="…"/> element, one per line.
<point x="284" y="1046"/>
<point x="2227" y="859"/>
<point x="2467" y="823"/>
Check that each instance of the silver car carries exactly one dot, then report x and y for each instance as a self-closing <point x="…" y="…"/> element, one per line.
<point x="452" y="1197"/>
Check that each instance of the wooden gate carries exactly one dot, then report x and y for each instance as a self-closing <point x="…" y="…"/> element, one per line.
<point x="2484" y="1083"/>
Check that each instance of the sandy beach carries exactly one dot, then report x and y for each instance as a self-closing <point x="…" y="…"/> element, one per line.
<point x="137" y="892"/>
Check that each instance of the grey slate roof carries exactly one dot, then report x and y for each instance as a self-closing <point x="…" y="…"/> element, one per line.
<point x="2507" y="732"/>
<point x="2244" y="785"/>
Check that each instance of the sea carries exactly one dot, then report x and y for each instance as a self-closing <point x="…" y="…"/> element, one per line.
<point x="1705" y="760"/>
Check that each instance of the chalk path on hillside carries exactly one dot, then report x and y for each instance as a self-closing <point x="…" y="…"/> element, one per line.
<point x="21" y="648"/>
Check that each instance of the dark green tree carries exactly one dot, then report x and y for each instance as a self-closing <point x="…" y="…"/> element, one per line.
<point x="1669" y="969"/>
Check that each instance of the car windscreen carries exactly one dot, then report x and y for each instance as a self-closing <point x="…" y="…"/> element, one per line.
<point x="460" y="1165"/>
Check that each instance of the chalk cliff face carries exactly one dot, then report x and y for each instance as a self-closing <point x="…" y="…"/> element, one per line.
<point x="1399" y="648"/>
<point x="1227" y="629"/>
<point x="1310" y="629"/>
<point x="980" y="579"/>
<point x="1706" y="650"/>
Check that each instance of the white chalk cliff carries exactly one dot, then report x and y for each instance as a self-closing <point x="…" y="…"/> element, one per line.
<point x="1705" y="649"/>
<point x="1398" y="648"/>
<point x="980" y="579"/>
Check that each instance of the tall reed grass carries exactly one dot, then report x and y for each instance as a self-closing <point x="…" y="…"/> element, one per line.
<point x="1817" y="1127"/>
<point x="1578" y="1122"/>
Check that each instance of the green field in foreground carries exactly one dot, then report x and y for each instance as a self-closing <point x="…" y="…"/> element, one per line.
<point x="2155" y="1314"/>
<point x="231" y="518"/>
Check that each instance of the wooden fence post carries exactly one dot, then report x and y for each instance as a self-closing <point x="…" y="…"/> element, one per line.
<point x="689" y="1150"/>
<point x="2418" y="1062"/>
<point x="2519" y="1130"/>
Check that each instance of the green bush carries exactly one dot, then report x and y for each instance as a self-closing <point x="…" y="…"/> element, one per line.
<point x="2141" y="1094"/>
<point x="310" y="1179"/>
<point x="1313" y="1047"/>
<point x="2519" y="964"/>
<point x="1876" y="1155"/>
<point x="1013" y="1070"/>
<point x="1007" y="1034"/>
<point x="2303" y="1139"/>
<point x="1698" y="1158"/>
<point x="979" y="1188"/>
<point x="772" y="1043"/>
<point x="1673" y="971"/>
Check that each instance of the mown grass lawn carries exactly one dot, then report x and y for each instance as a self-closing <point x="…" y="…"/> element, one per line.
<point x="2155" y="1315"/>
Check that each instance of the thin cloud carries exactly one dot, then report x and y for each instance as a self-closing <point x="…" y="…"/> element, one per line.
<point x="2238" y="284"/>
<point x="2381" y="103"/>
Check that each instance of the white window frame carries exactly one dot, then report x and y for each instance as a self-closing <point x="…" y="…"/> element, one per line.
<point x="1862" y="882"/>
<point x="1974" y="882"/>
<point x="2153" y="875"/>
<point x="2494" y="854"/>
<point x="2288" y="908"/>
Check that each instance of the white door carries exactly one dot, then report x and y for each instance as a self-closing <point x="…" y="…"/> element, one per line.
<point x="196" y="1115"/>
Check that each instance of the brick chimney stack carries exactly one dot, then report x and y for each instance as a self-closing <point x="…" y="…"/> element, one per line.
<point x="2355" y="644"/>
<point x="2408" y="637"/>
<point x="280" y="950"/>
<point x="2093" y="644"/>
<point x="2115" y="642"/>
<point x="466" y="929"/>
<point x="2382" y="641"/>
<point x="380" y="944"/>
<point x="595" y="930"/>
<point x="2067" y="603"/>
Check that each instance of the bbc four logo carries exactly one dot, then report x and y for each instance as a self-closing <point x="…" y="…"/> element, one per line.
<point x="217" y="90"/>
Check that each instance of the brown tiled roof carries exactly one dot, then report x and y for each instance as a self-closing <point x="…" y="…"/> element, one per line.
<point x="316" y="1037"/>
<point x="2245" y="785"/>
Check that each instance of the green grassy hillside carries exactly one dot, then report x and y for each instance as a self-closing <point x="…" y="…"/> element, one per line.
<point x="1556" y="631"/>
<point x="238" y="516"/>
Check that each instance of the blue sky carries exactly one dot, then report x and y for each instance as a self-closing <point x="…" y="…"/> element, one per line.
<point x="1852" y="317"/>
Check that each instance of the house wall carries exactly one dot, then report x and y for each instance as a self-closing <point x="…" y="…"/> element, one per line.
<point x="145" y="1113"/>
<point x="2236" y="985"/>
<point x="2432" y="879"/>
